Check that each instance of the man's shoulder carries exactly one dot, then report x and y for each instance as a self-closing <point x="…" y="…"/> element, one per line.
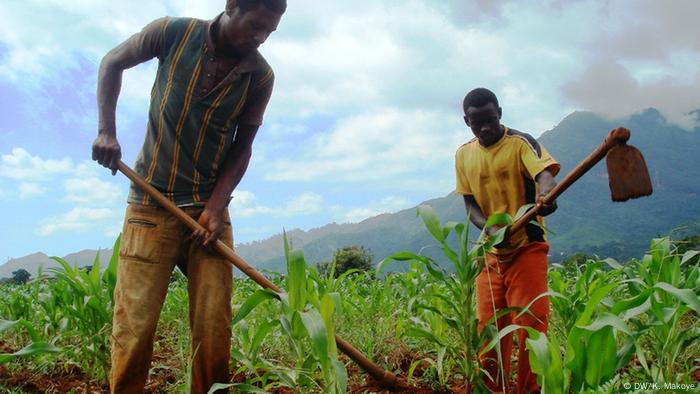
<point x="471" y="144"/>
<point x="177" y="24"/>
<point x="262" y="74"/>
<point x="519" y="137"/>
<point x="263" y="67"/>
<point x="185" y="20"/>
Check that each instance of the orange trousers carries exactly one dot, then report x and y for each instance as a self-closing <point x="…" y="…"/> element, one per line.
<point x="513" y="280"/>
<point x="153" y="242"/>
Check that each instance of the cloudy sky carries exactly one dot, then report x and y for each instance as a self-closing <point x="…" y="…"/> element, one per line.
<point x="365" y="116"/>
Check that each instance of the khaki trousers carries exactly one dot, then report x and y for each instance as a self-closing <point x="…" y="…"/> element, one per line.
<point x="513" y="281"/>
<point x="153" y="242"/>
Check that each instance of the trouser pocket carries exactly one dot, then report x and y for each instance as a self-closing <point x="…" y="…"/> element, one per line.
<point x="141" y="233"/>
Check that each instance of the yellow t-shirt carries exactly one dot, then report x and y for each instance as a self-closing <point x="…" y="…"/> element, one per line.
<point x="501" y="178"/>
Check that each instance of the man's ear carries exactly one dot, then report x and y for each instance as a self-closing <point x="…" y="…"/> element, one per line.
<point x="466" y="120"/>
<point x="500" y="113"/>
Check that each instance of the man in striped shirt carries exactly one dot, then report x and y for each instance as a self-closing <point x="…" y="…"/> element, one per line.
<point x="207" y="102"/>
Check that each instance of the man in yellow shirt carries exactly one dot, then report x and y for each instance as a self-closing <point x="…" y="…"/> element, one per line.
<point x="499" y="171"/>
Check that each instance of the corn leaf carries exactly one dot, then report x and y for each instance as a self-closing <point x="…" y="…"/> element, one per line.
<point x="33" y="349"/>
<point x="251" y="302"/>
<point x="239" y="388"/>
<point x="313" y="322"/>
<point x="686" y="296"/>
<point x="689" y="255"/>
<point x="260" y="335"/>
<point x="431" y="221"/>
<point x="296" y="279"/>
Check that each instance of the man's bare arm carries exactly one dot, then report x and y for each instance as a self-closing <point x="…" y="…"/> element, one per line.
<point x="139" y="48"/>
<point x="476" y="215"/>
<point x="545" y="181"/>
<point x="232" y="170"/>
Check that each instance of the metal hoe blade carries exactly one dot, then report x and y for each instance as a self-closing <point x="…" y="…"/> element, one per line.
<point x="628" y="175"/>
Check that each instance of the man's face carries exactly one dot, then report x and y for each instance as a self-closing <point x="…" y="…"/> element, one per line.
<point x="485" y="123"/>
<point x="244" y="32"/>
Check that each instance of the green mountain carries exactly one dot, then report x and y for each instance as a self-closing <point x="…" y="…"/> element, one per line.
<point x="586" y="221"/>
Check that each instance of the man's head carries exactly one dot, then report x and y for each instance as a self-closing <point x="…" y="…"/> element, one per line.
<point x="246" y="24"/>
<point x="483" y="115"/>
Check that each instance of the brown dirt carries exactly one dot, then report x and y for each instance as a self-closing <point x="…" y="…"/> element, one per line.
<point x="76" y="381"/>
<point x="399" y="361"/>
<point x="373" y="387"/>
<point x="5" y="348"/>
<point x="71" y="379"/>
<point x="165" y="367"/>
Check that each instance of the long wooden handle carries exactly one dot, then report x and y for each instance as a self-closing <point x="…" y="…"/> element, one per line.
<point x="385" y="378"/>
<point x="617" y="136"/>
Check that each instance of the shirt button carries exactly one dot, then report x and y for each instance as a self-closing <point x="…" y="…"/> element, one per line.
<point x="211" y="59"/>
<point x="208" y="75"/>
<point x="205" y="90"/>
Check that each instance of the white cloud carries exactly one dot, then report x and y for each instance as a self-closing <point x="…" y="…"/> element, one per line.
<point x="87" y="27"/>
<point x="384" y="145"/>
<point x="77" y="220"/>
<point x="632" y="62"/>
<point x="91" y="191"/>
<point x="373" y="54"/>
<point x="21" y="165"/>
<point x="624" y="94"/>
<point x="33" y="173"/>
<point x="245" y="204"/>
<point x="305" y="204"/>
<point x="386" y="205"/>
<point x="29" y="190"/>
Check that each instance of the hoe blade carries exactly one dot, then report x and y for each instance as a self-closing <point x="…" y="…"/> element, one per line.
<point x="627" y="173"/>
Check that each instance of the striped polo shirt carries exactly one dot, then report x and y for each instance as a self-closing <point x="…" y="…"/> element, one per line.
<point x="193" y="112"/>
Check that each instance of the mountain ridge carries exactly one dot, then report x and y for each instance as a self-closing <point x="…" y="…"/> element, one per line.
<point x="586" y="221"/>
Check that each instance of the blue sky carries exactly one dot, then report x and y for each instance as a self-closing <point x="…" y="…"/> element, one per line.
<point x="365" y="116"/>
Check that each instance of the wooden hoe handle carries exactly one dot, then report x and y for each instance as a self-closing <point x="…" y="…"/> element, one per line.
<point x="617" y="136"/>
<point x="385" y="378"/>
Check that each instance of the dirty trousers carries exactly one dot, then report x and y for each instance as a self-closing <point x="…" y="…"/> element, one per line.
<point x="513" y="281"/>
<point x="153" y="242"/>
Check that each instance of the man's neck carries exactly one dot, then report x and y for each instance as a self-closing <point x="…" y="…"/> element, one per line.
<point x="217" y="38"/>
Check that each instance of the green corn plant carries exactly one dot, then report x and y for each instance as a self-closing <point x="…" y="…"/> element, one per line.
<point x="37" y="347"/>
<point x="380" y="301"/>
<point x="79" y="304"/>
<point x="592" y="356"/>
<point x="546" y="361"/>
<point x="573" y="292"/>
<point x="616" y="315"/>
<point x="664" y="299"/>
<point x="444" y="307"/>
<point x="17" y="302"/>
<point x="306" y="318"/>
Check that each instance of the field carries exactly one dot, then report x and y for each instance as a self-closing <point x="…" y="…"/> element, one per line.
<point x="615" y="326"/>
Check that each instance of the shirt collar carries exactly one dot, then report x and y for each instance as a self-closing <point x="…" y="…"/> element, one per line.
<point x="497" y="143"/>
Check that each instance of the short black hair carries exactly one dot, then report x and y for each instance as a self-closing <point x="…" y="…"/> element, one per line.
<point x="478" y="98"/>
<point x="278" y="6"/>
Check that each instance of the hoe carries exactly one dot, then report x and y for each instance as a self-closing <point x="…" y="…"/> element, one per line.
<point x="627" y="173"/>
<point x="628" y="178"/>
